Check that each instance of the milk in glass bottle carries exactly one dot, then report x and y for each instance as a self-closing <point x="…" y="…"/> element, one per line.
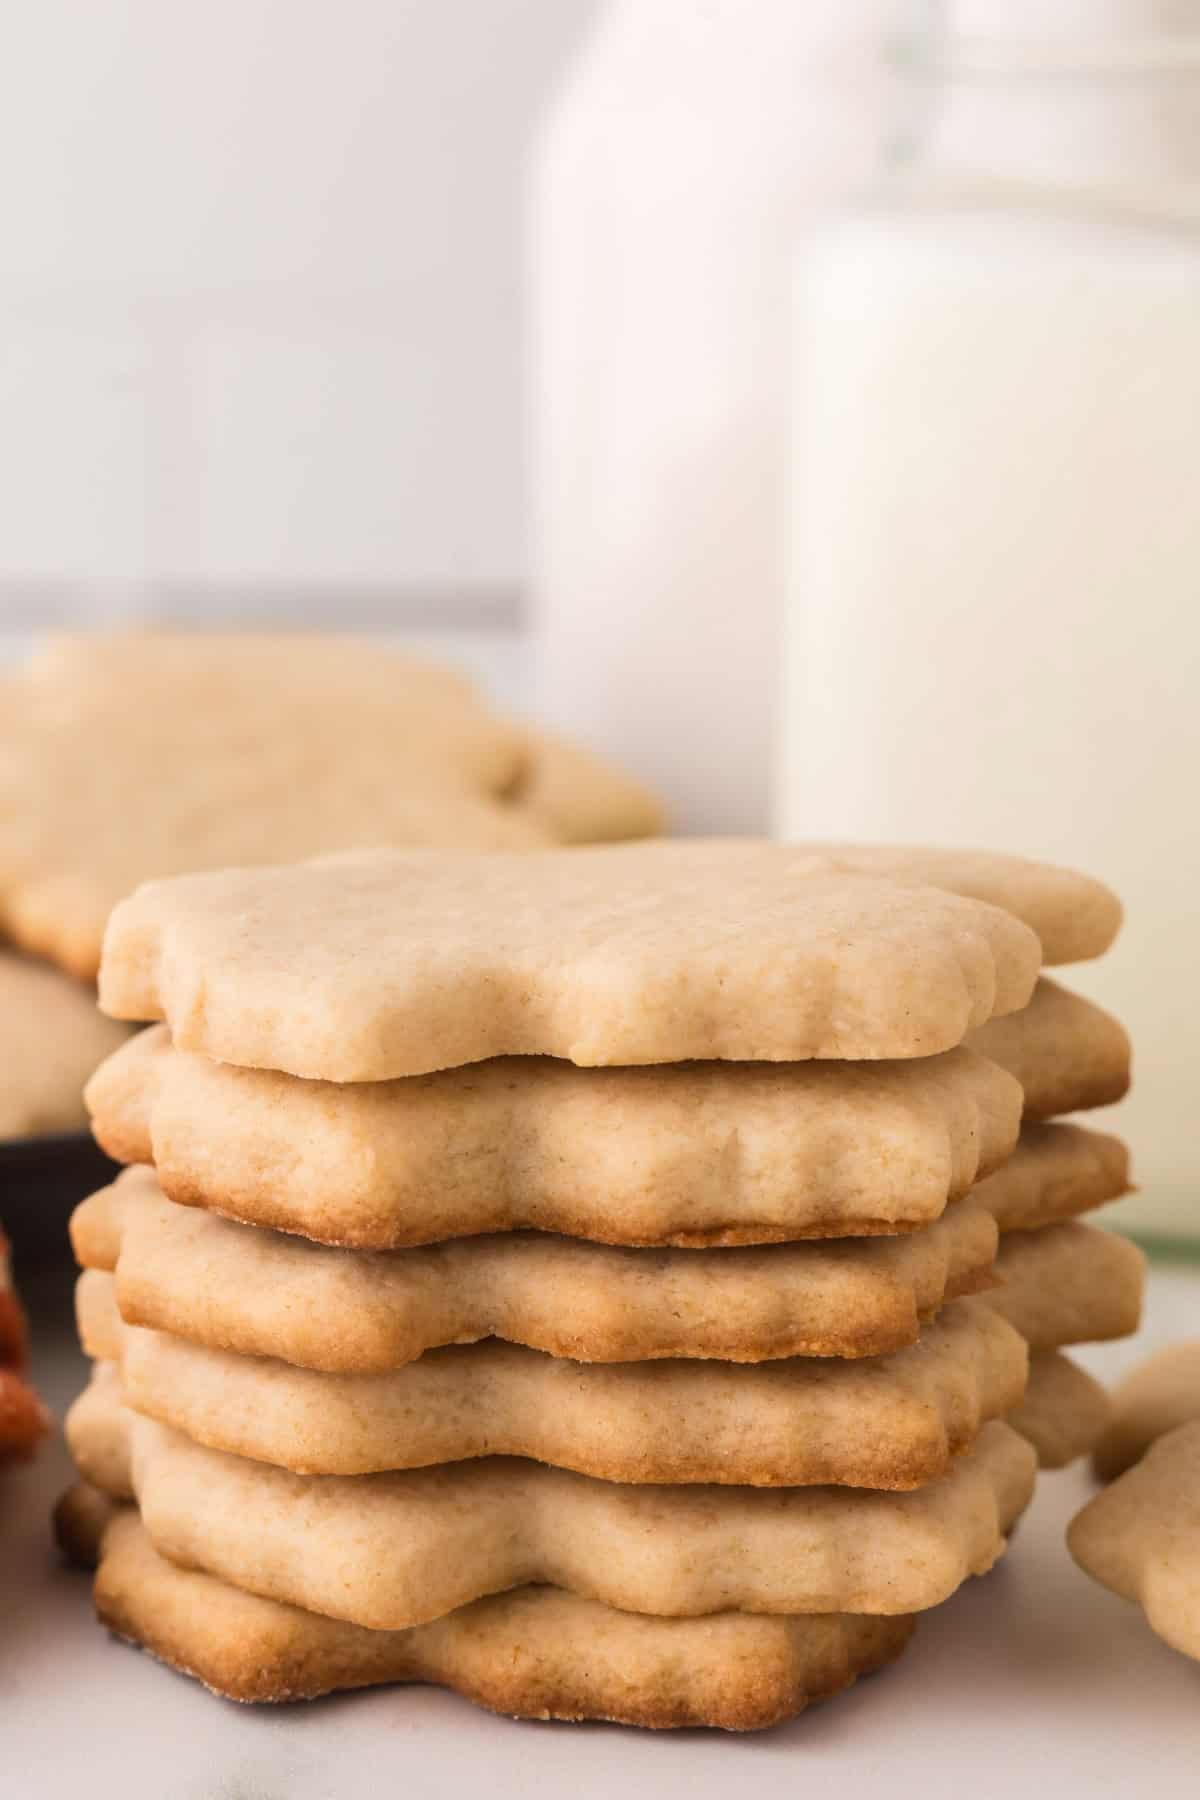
<point x="691" y="143"/>
<point x="994" y="599"/>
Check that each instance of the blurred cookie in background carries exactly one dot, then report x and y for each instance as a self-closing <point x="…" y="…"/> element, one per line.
<point x="51" y="1039"/>
<point x="126" y="757"/>
<point x="581" y="799"/>
<point x="1159" y="1395"/>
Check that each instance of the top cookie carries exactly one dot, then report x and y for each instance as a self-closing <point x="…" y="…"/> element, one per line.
<point x="387" y="963"/>
<point x="136" y="756"/>
<point x="1075" y="916"/>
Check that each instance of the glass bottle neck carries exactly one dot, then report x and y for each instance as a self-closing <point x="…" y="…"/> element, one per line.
<point x="1101" y="108"/>
<point x="1078" y="131"/>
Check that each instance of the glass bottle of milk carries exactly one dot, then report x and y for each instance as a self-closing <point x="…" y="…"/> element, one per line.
<point x="994" y="602"/>
<point x="690" y="144"/>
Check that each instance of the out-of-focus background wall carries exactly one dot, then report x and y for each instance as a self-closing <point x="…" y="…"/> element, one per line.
<point x="261" y="305"/>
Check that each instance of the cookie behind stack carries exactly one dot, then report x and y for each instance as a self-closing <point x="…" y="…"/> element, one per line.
<point x="51" y="1040"/>
<point x="739" y="1424"/>
<point x="132" y="755"/>
<point x="1064" y="1282"/>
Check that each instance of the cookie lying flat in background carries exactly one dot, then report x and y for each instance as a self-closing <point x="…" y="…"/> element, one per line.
<point x="1141" y="1537"/>
<point x="262" y="1293"/>
<point x="1064" y="1410"/>
<point x="1156" y="1397"/>
<point x="889" y="1422"/>
<point x="51" y="1038"/>
<point x="658" y="952"/>
<point x="1068" y="1054"/>
<point x="532" y="1653"/>
<point x="389" y="1551"/>
<point x="686" y="1154"/>
<point x="1055" y="1172"/>
<point x="135" y="755"/>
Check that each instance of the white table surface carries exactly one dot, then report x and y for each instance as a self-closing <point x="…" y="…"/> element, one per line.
<point x="1032" y="1681"/>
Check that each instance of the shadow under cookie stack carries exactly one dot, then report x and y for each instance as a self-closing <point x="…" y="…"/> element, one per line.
<point x="568" y="1277"/>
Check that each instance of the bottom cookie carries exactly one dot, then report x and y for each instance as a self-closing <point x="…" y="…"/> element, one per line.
<point x="534" y="1652"/>
<point x="1064" y="1411"/>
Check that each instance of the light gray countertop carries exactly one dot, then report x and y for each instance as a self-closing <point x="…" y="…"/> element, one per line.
<point x="1031" y="1681"/>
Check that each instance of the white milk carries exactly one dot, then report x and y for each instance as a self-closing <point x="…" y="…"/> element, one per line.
<point x="995" y="605"/>
<point x="691" y="144"/>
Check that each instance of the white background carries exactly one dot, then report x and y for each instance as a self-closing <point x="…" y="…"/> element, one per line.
<point x="261" y="295"/>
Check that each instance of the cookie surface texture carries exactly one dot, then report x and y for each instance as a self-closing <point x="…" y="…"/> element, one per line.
<point x="887" y="1422"/>
<point x="263" y="1293"/>
<point x="689" y="1154"/>
<point x="533" y="1653"/>
<point x="1075" y="916"/>
<point x="616" y="954"/>
<point x="388" y="1551"/>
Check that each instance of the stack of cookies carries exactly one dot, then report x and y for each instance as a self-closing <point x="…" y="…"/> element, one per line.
<point x="565" y="1276"/>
